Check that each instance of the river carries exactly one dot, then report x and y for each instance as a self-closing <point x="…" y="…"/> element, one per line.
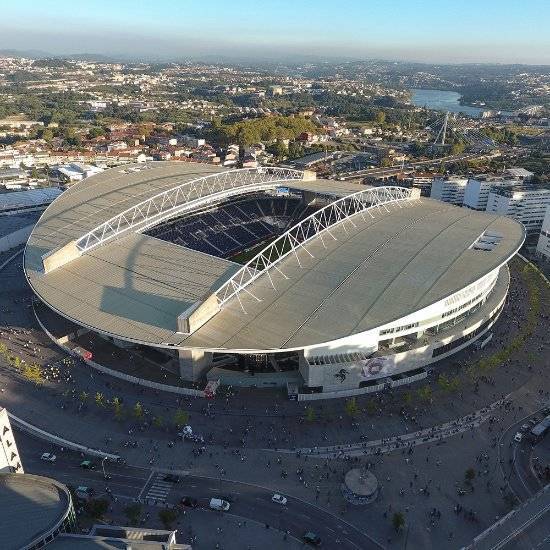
<point x="442" y="100"/>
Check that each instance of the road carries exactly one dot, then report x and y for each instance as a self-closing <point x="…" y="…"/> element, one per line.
<point x="515" y="459"/>
<point x="392" y="170"/>
<point x="250" y="502"/>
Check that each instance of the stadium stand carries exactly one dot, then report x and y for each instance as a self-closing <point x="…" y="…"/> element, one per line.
<point x="234" y="226"/>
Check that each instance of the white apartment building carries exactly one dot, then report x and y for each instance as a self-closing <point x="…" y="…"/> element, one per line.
<point x="525" y="203"/>
<point x="10" y="462"/>
<point x="543" y="246"/>
<point x="477" y="190"/>
<point x="449" y="190"/>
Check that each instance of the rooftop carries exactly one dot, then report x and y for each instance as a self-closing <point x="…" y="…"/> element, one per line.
<point x="31" y="505"/>
<point x="377" y="271"/>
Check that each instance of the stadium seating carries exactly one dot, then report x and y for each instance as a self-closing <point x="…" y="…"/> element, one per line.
<point x="233" y="226"/>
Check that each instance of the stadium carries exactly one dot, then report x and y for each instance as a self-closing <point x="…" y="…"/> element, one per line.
<point x="270" y="277"/>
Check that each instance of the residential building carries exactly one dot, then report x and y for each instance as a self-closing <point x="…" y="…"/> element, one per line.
<point x="525" y="203"/>
<point x="449" y="190"/>
<point x="519" y="174"/>
<point x="543" y="246"/>
<point x="477" y="190"/>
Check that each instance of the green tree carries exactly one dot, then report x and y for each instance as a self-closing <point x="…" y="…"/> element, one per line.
<point x="181" y="418"/>
<point x="310" y="413"/>
<point x="469" y="475"/>
<point x="398" y="521"/>
<point x="33" y="373"/>
<point x="158" y="421"/>
<point x="425" y="393"/>
<point x="351" y="407"/>
<point x="371" y="406"/>
<point x="99" y="399"/>
<point x="380" y="117"/>
<point x="133" y="513"/>
<point x="167" y="517"/>
<point x="83" y="396"/>
<point x="96" y="508"/>
<point x="3" y="349"/>
<point x="117" y="407"/>
<point x="17" y="362"/>
<point x="138" y="410"/>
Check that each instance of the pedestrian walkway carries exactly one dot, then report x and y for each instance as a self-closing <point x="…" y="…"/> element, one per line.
<point x="158" y="490"/>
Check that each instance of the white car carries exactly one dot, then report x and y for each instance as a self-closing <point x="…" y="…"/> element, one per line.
<point x="279" y="499"/>
<point x="48" y="457"/>
<point x="518" y="437"/>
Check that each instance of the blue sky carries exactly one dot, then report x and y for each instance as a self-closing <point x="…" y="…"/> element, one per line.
<point x="420" y="30"/>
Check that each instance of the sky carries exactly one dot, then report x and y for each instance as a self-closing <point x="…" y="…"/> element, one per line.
<point x="432" y="31"/>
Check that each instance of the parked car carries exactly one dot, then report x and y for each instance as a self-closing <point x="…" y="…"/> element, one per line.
<point x="524" y="428"/>
<point x="311" y="538"/>
<point x="84" y="493"/>
<point x="279" y="499"/>
<point x="518" y="437"/>
<point x="189" y="501"/>
<point x="171" y="478"/>
<point x="87" y="465"/>
<point x="48" y="457"/>
<point x="219" y="504"/>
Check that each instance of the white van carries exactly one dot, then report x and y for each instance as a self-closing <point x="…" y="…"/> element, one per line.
<point x="219" y="504"/>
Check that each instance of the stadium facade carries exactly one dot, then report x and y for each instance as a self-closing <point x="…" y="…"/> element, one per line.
<point x="341" y="288"/>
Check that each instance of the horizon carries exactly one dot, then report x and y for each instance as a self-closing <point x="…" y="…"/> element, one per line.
<point x="410" y="32"/>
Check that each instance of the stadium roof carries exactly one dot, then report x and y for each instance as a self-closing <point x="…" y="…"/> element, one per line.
<point x="31" y="505"/>
<point x="379" y="270"/>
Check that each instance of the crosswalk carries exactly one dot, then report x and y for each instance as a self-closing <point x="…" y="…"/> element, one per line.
<point x="158" y="490"/>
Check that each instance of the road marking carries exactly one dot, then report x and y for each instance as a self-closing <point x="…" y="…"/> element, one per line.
<point x="145" y="485"/>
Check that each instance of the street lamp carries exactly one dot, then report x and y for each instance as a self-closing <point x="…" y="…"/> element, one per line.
<point x="103" y="467"/>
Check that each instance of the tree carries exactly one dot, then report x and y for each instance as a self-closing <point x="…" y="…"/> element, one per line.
<point x="380" y="117"/>
<point x="398" y="521"/>
<point x="99" y="399"/>
<point x="371" y="406"/>
<point x="3" y="349"/>
<point x="351" y="406"/>
<point x="279" y="149"/>
<point x="138" y="410"/>
<point x="181" y="418"/>
<point x="158" y="421"/>
<point x="167" y="517"/>
<point x="133" y="513"/>
<point x="33" y="373"/>
<point x="117" y="407"/>
<point x="310" y="413"/>
<point x="96" y="508"/>
<point x="469" y="475"/>
<point x="425" y="393"/>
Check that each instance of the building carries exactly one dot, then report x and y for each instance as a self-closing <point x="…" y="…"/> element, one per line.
<point x="10" y="462"/>
<point x="12" y="175"/>
<point x="33" y="200"/>
<point x="543" y="245"/>
<point x="74" y="171"/>
<point x="477" y="190"/>
<point x="114" y="537"/>
<point x="519" y="174"/>
<point x="367" y="288"/>
<point x="449" y="190"/>
<point x="35" y="511"/>
<point x="524" y="203"/>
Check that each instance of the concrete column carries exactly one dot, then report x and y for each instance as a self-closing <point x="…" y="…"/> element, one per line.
<point x="194" y="364"/>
